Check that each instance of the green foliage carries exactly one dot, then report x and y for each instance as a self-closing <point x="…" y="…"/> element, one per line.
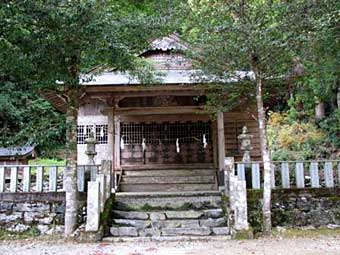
<point x="42" y="42"/>
<point x="290" y="139"/>
<point x="331" y="126"/>
<point x="25" y="118"/>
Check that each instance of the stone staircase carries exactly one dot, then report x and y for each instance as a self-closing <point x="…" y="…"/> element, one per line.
<point x="172" y="178"/>
<point x="168" y="214"/>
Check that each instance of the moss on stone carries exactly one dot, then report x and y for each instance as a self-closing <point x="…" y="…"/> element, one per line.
<point x="225" y="204"/>
<point x="254" y="195"/>
<point x="243" y="234"/>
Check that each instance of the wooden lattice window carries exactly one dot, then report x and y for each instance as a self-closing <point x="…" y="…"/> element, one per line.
<point x="166" y="133"/>
<point x="83" y="132"/>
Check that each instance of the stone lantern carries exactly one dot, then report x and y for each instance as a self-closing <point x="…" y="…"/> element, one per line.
<point x="90" y="170"/>
<point x="90" y="148"/>
<point x="245" y="144"/>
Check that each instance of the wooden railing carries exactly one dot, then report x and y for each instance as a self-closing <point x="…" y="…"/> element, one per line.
<point x="40" y="178"/>
<point x="292" y="174"/>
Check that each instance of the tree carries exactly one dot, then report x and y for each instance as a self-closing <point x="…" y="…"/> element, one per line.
<point x="257" y="36"/>
<point x="58" y="40"/>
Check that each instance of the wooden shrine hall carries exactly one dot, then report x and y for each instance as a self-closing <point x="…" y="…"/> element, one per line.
<point x="157" y="127"/>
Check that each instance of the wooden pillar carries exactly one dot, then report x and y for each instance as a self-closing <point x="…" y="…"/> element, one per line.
<point x="214" y="141"/>
<point x="110" y="134"/>
<point x="116" y="153"/>
<point x="220" y="140"/>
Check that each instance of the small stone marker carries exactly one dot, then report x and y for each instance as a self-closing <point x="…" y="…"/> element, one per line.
<point x="39" y="182"/>
<point x="255" y="175"/>
<point x="14" y="179"/>
<point x="299" y="175"/>
<point x="285" y="175"/>
<point x="329" y="180"/>
<point x="27" y="179"/>
<point x="2" y="179"/>
<point x="102" y="180"/>
<point x="81" y="178"/>
<point x="241" y="171"/>
<point x="93" y="206"/>
<point x="314" y="175"/>
<point x="53" y="179"/>
<point x="238" y="203"/>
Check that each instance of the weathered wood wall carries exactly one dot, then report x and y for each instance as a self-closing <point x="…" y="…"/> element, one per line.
<point x="233" y="124"/>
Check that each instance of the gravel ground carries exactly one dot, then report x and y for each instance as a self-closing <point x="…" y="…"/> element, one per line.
<point x="275" y="246"/>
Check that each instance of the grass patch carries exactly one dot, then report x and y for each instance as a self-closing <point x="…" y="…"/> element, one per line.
<point x="306" y="233"/>
<point x="46" y="161"/>
<point x="31" y="233"/>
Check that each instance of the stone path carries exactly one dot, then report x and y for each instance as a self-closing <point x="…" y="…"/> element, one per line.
<point x="274" y="246"/>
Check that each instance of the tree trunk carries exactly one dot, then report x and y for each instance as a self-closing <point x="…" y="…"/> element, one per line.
<point x="319" y="110"/>
<point x="71" y="211"/>
<point x="266" y="157"/>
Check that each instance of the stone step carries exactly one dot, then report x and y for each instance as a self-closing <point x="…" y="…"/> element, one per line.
<point x="184" y="238"/>
<point x="188" y="214"/>
<point x="168" y="179"/>
<point x="170" y="166"/>
<point x="154" y="187"/>
<point x="182" y="223"/>
<point x="170" y="172"/>
<point x="141" y="201"/>
<point x="188" y="231"/>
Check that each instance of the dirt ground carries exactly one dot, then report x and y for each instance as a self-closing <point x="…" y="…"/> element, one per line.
<point x="269" y="246"/>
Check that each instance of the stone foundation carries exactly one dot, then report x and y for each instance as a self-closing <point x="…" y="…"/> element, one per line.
<point x="20" y="212"/>
<point x="297" y="208"/>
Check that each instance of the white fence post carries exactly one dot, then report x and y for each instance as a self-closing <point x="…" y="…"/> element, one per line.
<point x="285" y="175"/>
<point x="299" y="175"/>
<point x="273" y="176"/>
<point x="93" y="206"/>
<point x="241" y="171"/>
<point x="314" y="174"/>
<point x="27" y="179"/>
<point x="2" y="179"/>
<point x="255" y="175"/>
<point x="39" y="178"/>
<point x="328" y="172"/>
<point x="14" y="179"/>
<point x="53" y="179"/>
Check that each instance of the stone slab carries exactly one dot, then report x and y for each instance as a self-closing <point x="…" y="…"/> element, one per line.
<point x="220" y="231"/>
<point x="133" y="223"/>
<point x="213" y="222"/>
<point x="213" y="213"/>
<point x="186" y="231"/>
<point x="191" y="214"/>
<point x="123" y="231"/>
<point x="131" y="215"/>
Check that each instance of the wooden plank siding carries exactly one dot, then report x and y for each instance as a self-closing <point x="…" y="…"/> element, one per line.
<point x="233" y="124"/>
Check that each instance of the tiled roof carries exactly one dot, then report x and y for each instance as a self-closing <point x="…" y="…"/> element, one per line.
<point x="16" y="151"/>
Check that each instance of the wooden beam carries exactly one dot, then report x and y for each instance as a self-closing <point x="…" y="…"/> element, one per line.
<point x="152" y="93"/>
<point x="116" y="121"/>
<point x="159" y="110"/>
<point x="221" y="140"/>
<point x="110" y="134"/>
<point x="141" y="88"/>
<point x="214" y="142"/>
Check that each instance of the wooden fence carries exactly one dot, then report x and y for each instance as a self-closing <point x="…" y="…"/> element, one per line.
<point x="292" y="174"/>
<point x="41" y="178"/>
